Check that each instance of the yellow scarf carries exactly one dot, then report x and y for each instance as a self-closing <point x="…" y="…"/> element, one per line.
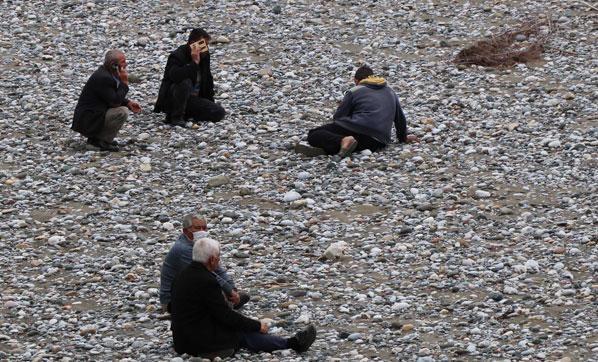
<point x="372" y="79"/>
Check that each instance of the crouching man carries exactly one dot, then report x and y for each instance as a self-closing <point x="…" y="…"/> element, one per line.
<point x="187" y="89"/>
<point x="103" y="108"/>
<point x="202" y="323"/>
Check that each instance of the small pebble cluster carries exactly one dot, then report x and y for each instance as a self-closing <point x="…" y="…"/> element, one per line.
<point x="477" y="243"/>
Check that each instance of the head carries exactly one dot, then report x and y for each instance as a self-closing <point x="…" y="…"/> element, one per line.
<point x="362" y="72"/>
<point x="194" y="225"/>
<point x="115" y="60"/>
<point x="197" y="34"/>
<point x="207" y="252"/>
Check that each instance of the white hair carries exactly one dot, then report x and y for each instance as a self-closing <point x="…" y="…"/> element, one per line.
<point x="112" y="56"/>
<point x="204" y="248"/>
<point x="188" y="220"/>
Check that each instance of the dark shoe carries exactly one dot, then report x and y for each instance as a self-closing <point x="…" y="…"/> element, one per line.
<point x="93" y="141"/>
<point x="243" y="299"/>
<point x="301" y="341"/>
<point x="178" y="122"/>
<point x="114" y="143"/>
<point x="105" y="146"/>
<point x="309" y="151"/>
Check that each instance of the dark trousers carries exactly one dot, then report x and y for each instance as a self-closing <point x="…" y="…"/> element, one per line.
<point x="259" y="342"/>
<point x="184" y="105"/>
<point x="329" y="138"/>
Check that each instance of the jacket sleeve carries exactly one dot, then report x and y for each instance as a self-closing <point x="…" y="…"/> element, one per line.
<point x="113" y="97"/>
<point x="225" y="281"/>
<point x="400" y="123"/>
<point x="215" y="303"/>
<point x="345" y="108"/>
<point x="180" y="71"/>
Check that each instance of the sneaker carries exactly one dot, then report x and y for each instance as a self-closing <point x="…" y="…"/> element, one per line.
<point x="243" y="299"/>
<point x="301" y="341"/>
<point x="105" y="146"/>
<point x="309" y="151"/>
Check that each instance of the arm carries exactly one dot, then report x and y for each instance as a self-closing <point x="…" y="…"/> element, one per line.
<point x="400" y="123"/>
<point x="345" y="108"/>
<point x="225" y="281"/>
<point x="219" y="310"/>
<point x="104" y="88"/>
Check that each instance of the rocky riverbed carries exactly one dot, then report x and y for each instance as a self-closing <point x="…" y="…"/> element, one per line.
<point x="478" y="243"/>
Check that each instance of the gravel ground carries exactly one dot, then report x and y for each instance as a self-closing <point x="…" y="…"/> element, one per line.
<point x="479" y="243"/>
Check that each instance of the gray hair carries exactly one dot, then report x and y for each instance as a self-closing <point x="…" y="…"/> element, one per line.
<point x="112" y="56"/>
<point x="204" y="248"/>
<point x="188" y="220"/>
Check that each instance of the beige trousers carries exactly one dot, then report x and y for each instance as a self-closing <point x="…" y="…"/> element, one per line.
<point x="114" y="120"/>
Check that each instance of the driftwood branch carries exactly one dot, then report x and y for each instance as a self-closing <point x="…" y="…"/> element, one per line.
<point x="503" y="50"/>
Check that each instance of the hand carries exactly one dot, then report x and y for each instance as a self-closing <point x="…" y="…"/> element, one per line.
<point x="195" y="56"/>
<point x="234" y="297"/>
<point x="134" y="107"/>
<point x="411" y="138"/>
<point x="123" y="76"/>
<point x="263" y="327"/>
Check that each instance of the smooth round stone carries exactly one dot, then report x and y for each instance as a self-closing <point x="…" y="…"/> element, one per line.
<point x="291" y="196"/>
<point x="354" y="336"/>
<point x="303" y="175"/>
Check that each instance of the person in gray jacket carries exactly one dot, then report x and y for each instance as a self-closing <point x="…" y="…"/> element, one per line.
<point x="180" y="255"/>
<point x="363" y="120"/>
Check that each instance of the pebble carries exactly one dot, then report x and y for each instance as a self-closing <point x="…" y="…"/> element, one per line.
<point x="482" y="234"/>
<point x="291" y="196"/>
<point x="218" y="181"/>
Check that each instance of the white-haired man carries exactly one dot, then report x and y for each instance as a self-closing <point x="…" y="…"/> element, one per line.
<point x="180" y="255"/>
<point x="202" y="323"/>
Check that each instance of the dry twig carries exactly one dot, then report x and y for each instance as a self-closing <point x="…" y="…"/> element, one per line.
<point x="504" y="51"/>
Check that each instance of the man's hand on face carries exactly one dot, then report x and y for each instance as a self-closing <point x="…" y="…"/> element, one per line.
<point x="234" y="297"/>
<point x="263" y="327"/>
<point x="123" y="75"/>
<point x="195" y="56"/>
<point x="134" y="106"/>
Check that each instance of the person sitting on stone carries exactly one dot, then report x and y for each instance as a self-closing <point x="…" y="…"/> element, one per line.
<point x="362" y="121"/>
<point x="180" y="255"/>
<point x="203" y="325"/>
<point x="102" y="108"/>
<point x="187" y="89"/>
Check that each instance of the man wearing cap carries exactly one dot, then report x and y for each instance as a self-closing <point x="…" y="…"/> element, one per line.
<point x="187" y="89"/>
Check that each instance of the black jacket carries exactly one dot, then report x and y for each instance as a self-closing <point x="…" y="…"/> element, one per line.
<point x="99" y="93"/>
<point x="201" y="319"/>
<point x="179" y="67"/>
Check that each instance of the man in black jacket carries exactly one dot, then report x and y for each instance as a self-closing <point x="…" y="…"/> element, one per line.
<point x="204" y="325"/>
<point x="102" y="108"/>
<point x="187" y="89"/>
